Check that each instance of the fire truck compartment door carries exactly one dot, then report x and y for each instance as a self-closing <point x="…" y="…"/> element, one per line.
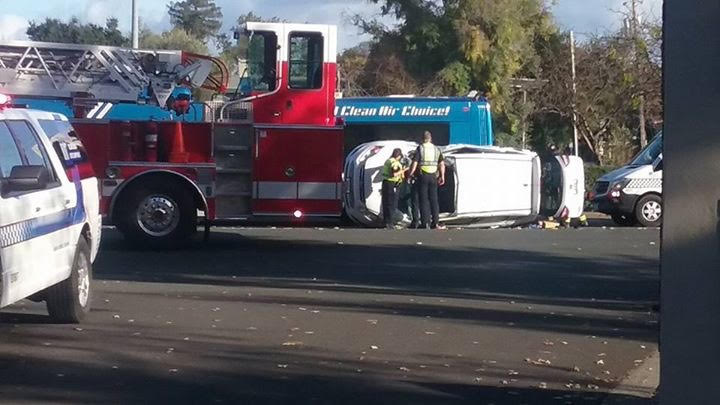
<point x="297" y="169"/>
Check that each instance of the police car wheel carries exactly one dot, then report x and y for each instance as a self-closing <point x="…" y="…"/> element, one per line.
<point x="69" y="300"/>
<point x="648" y="211"/>
<point x="158" y="215"/>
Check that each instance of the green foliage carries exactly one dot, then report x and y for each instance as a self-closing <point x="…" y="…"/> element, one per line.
<point x="594" y="172"/>
<point x="176" y="39"/>
<point x="74" y="32"/>
<point x="447" y="47"/>
<point x="199" y="18"/>
<point x="454" y="79"/>
<point x="451" y="47"/>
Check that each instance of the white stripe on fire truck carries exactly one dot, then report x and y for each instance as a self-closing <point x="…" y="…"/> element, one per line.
<point x="94" y="110"/>
<point x="104" y="111"/>
<point x="281" y="190"/>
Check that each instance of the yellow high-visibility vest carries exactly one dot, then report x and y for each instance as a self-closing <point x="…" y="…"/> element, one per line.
<point x="391" y="165"/>
<point x="429" y="155"/>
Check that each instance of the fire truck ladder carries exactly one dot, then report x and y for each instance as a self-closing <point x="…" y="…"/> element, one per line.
<point x="82" y="72"/>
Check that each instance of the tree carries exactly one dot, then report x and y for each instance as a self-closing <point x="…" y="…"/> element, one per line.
<point x="175" y="39"/>
<point x="451" y="47"/>
<point x="610" y="81"/>
<point x="199" y="18"/>
<point x="351" y="66"/>
<point x="54" y="30"/>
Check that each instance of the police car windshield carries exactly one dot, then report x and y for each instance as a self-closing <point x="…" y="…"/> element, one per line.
<point x="648" y="155"/>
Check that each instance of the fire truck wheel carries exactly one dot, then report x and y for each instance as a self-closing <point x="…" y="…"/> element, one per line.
<point x="158" y="214"/>
<point x="69" y="300"/>
<point x="648" y="211"/>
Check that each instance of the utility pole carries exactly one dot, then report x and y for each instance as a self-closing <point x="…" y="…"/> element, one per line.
<point x="574" y="90"/>
<point x="634" y="22"/>
<point x="524" y="123"/>
<point x="524" y="84"/>
<point x="135" y="25"/>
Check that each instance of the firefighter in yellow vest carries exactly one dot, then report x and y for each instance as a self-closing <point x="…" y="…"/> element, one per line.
<point x="429" y="168"/>
<point x="393" y="174"/>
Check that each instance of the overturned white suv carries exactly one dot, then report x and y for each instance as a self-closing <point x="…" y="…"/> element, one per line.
<point x="49" y="214"/>
<point x="485" y="185"/>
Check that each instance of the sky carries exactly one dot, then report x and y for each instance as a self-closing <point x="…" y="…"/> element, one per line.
<point x="584" y="16"/>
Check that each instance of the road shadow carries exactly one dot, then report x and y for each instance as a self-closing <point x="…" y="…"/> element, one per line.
<point x="231" y="259"/>
<point x="228" y="373"/>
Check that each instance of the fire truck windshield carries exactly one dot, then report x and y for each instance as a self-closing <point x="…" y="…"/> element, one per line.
<point x="262" y="61"/>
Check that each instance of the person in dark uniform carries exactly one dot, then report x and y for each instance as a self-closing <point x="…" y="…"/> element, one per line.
<point x="392" y="178"/>
<point x="428" y="167"/>
<point x="413" y="196"/>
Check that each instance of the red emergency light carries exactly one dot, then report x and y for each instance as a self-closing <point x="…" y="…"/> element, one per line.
<point x="5" y="100"/>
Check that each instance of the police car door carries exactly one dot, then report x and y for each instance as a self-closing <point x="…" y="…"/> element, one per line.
<point x="32" y="222"/>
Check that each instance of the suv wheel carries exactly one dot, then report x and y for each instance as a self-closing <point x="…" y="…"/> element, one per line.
<point x="69" y="300"/>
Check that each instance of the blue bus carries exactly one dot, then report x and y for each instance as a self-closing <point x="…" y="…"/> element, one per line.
<point x="452" y="120"/>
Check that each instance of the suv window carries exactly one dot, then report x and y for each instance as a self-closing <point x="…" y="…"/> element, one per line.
<point x="306" y="61"/>
<point x="9" y="154"/>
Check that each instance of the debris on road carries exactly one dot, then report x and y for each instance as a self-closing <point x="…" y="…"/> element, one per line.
<point x="538" y="362"/>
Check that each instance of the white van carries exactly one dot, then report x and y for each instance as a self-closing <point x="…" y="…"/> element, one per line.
<point x="49" y="214"/>
<point x="632" y="194"/>
<point x="485" y="185"/>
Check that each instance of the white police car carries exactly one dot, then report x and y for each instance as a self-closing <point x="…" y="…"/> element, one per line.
<point x="49" y="213"/>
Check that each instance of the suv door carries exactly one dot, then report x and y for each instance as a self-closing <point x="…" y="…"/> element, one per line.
<point x="35" y="247"/>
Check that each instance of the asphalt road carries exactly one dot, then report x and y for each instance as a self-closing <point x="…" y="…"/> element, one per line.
<point x="332" y="316"/>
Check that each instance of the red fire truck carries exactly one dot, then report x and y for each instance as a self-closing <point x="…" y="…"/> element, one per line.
<point x="277" y="153"/>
